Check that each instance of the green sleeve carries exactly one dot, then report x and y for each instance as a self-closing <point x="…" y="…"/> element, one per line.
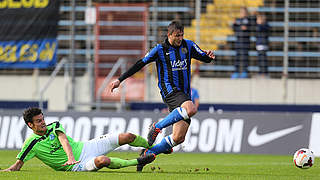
<point x="27" y="152"/>
<point x="58" y="127"/>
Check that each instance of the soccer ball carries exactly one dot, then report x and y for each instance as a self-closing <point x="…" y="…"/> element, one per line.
<point x="303" y="158"/>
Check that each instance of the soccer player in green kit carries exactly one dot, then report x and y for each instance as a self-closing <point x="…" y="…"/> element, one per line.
<point x="51" y="145"/>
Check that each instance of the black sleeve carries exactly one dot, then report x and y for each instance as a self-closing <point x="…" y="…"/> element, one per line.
<point x="205" y="59"/>
<point x="133" y="69"/>
<point x="200" y="55"/>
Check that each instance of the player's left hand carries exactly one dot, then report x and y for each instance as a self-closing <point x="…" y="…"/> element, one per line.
<point x="114" y="84"/>
<point x="70" y="162"/>
<point x="210" y="54"/>
<point x="5" y="170"/>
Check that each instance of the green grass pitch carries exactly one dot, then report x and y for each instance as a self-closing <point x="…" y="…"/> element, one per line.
<point x="175" y="166"/>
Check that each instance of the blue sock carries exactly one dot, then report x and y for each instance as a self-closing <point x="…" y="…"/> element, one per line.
<point x="166" y="144"/>
<point x="176" y="115"/>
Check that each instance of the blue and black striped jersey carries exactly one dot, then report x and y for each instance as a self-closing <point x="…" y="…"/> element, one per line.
<point x="173" y="65"/>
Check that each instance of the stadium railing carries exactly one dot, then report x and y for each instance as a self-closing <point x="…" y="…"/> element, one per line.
<point x="164" y="23"/>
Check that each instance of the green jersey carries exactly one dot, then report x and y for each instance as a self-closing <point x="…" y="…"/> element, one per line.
<point x="48" y="148"/>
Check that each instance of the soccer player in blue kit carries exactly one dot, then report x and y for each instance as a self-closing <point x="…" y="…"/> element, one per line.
<point x="173" y="60"/>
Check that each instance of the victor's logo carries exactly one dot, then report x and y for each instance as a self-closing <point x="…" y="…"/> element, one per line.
<point x="179" y="65"/>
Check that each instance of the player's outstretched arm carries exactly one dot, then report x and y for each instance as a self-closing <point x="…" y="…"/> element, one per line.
<point x="206" y="56"/>
<point x="67" y="148"/>
<point x="15" y="167"/>
<point x="132" y="70"/>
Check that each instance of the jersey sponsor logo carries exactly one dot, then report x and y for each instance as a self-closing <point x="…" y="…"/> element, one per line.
<point x="179" y="65"/>
<point x="51" y="137"/>
<point x="55" y="149"/>
<point x="255" y="139"/>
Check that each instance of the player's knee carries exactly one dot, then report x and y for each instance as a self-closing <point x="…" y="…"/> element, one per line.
<point x="192" y="111"/>
<point x="102" y="161"/>
<point x="130" y="137"/>
<point x="126" y="138"/>
<point x="178" y="139"/>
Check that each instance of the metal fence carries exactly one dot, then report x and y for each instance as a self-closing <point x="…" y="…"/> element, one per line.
<point x="210" y="24"/>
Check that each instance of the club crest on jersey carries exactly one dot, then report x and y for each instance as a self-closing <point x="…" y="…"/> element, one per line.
<point x="184" y="50"/>
<point x="51" y="137"/>
<point x="179" y="65"/>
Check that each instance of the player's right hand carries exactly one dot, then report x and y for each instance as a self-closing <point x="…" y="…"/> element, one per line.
<point x="210" y="54"/>
<point x="114" y="84"/>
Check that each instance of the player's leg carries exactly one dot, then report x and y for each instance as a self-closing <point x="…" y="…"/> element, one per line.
<point x="116" y="163"/>
<point x="181" y="108"/>
<point x="99" y="162"/>
<point x="178" y="135"/>
<point x="185" y="111"/>
<point x="179" y="132"/>
<point x="174" y="116"/>
<point x="109" y="142"/>
<point x="92" y="155"/>
<point x="132" y="140"/>
<point x="165" y="146"/>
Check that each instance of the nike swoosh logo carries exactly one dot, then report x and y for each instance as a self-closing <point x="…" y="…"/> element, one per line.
<point x="167" y="53"/>
<point x="256" y="139"/>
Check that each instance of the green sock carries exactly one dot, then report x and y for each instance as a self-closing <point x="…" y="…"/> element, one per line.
<point x="140" y="142"/>
<point x="116" y="163"/>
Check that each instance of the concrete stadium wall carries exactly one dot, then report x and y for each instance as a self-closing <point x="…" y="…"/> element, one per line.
<point x="211" y="90"/>
<point x="260" y="91"/>
<point x="254" y="90"/>
<point x="27" y="88"/>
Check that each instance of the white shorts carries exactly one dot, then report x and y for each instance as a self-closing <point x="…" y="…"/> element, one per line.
<point x="96" y="147"/>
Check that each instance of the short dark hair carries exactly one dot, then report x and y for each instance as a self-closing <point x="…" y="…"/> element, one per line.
<point x="29" y="113"/>
<point x="175" y="25"/>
